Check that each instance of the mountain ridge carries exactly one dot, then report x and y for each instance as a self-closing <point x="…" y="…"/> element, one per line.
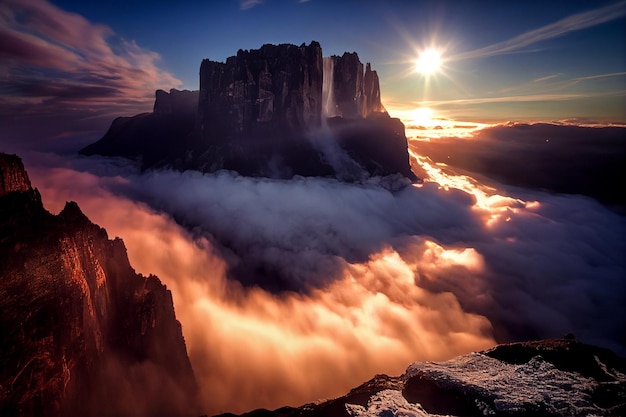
<point x="82" y="332"/>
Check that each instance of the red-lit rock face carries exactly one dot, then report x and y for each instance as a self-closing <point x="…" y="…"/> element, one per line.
<point x="13" y="177"/>
<point x="81" y="331"/>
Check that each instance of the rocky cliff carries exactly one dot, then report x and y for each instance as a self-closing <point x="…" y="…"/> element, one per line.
<point x="155" y="139"/>
<point x="548" y="378"/>
<point x="263" y="113"/>
<point x="356" y="94"/>
<point x="80" y="332"/>
<point x="261" y="93"/>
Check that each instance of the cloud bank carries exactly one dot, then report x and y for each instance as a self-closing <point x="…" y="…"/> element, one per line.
<point x="59" y="69"/>
<point x="291" y="291"/>
<point x="562" y="158"/>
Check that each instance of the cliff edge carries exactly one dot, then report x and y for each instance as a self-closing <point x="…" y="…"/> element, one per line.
<point x="81" y="332"/>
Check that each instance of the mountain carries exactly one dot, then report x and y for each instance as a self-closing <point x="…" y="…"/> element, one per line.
<point x="81" y="333"/>
<point x="278" y="111"/>
<point x="555" y="377"/>
<point x="155" y="138"/>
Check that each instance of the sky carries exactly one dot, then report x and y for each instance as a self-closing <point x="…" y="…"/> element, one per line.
<point x="378" y="276"/>
<point x="75" y="65"/>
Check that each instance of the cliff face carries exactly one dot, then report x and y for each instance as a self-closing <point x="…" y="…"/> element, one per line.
<point x="155" y="139"/>
<point x="356" y="93"/>
<point x="13" y="176"/>
<point x="82" y="333"/>
<point x="263" y="113"/>
<point x="261" y="92"/>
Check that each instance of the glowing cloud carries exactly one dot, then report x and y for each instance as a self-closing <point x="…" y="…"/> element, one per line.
<point x="377" y="279"/>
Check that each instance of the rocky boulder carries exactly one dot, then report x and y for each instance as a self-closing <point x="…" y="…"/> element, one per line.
<point x="554" y="377"/>
<point x="153" y="139"/>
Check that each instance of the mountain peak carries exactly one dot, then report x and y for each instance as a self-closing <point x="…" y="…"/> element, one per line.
<point x="13" y="176"/>
<point x="81" y="330"/>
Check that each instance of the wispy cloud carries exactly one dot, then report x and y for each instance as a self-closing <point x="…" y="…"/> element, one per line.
<point x="595" y="77"/>
<point x="48" y="52"/>
<point x="248" y="4"/>
<point x="546" y="78"/>
<point x="522" y="98"/>
<point x="554" y="83"/>
<point x="569" y="24"/>
<point x="56" y="62"/>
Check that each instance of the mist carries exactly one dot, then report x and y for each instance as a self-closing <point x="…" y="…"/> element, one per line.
<point x="293" y="291"/>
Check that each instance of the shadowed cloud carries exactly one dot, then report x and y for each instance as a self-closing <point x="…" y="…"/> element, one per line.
<point x="559" y="158"/>
<point x="341" y="281"/>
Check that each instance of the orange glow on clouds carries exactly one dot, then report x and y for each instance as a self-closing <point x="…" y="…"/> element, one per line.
<point x="250" y="348"/>
<point x="425" y="122"/>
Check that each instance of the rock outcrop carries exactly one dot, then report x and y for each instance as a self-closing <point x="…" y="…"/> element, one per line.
<point x="81" y="332"/>
<point x="13" y="176"/>
<point x="155" y="139"/>
<point x="356" y="93"/>
<point x="261" y="93"/>
<point x="263" y="113"/>
<point x="556" y="378"/>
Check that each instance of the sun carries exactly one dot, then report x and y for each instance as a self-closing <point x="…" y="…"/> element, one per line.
<point x="428" y="62"/>
<point x="422" y="116"/>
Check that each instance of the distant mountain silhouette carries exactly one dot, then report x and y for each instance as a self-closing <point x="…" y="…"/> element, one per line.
<point x="278" y="111"/>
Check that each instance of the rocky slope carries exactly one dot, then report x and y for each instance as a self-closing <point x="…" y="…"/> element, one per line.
<point x="155" y="138"/>
<point x="559" y="377"/>
<point x="263" y="113"/>
<point x="80" y="332"/>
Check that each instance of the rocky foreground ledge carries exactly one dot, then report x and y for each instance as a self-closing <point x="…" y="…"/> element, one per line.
<point x="555" y="377"/>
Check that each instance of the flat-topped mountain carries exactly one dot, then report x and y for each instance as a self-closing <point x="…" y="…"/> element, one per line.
<point x="80" y="332"/>
<point x="277" y="111"/>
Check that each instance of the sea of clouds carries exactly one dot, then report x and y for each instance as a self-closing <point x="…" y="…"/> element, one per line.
<point x="291" y="291"/>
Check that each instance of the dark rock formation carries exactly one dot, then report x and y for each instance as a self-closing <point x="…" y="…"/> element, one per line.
<point x="262" y="113"/>
<point x="559" y="377"/>
<point x="13" y="176"/>
<point x="155" y="139"/>
<point x="361" y="140"/>
<point x="261" y="93"/>
<point x="357" y="94"/>
<point x="80" y="332"/>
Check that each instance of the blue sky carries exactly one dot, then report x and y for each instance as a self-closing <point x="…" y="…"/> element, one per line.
<point x="502" y="61"/>
<point x="390" y="33"/>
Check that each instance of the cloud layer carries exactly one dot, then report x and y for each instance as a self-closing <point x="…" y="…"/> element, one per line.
<point x="570" y="159"/>
<point x="343" y="281"/>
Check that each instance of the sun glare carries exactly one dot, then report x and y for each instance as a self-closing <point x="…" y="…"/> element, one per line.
<point x="428" y="62"/>
<point x="422" y="116"/>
